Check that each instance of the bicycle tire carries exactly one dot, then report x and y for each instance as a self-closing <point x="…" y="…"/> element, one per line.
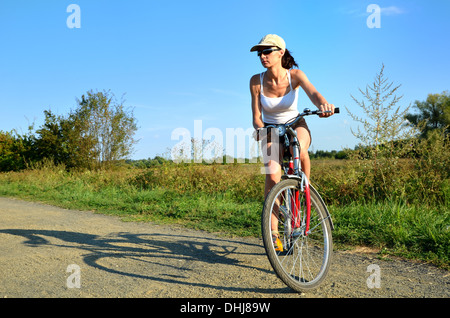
<point x="305" y="260"/>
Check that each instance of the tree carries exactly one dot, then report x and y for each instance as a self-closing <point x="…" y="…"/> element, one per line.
<point x="105" y="126"/>
<point x="16" y="150"/>
<point x="434" y="113"/>
<point x="52" y="140"/>
<point x="385" y="122"/>
<point x="12" y="150"/>
<point x="99" y="131"/>
<point x="384" y="132"/>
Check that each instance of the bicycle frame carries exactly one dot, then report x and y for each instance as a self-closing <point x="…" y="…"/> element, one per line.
<point x="294" y="169"/>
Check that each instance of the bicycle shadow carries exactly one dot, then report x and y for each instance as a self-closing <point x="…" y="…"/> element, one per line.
<point x="164" y="252"/>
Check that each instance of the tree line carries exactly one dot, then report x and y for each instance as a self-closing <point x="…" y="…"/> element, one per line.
<point x="98" y="132"/>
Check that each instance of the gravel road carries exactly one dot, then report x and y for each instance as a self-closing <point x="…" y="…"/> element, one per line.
<point x="47" y="251"/>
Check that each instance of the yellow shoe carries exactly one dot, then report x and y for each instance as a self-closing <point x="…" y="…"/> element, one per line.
<point x="277" y="243"/>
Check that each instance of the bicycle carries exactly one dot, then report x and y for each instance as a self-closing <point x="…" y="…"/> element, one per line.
<point x="304" y="222"/>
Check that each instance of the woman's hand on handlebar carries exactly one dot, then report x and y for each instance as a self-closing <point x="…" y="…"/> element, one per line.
<point x="327" y="110"/>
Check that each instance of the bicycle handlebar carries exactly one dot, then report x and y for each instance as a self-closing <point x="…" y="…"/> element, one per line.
<point x="306" y="112"/>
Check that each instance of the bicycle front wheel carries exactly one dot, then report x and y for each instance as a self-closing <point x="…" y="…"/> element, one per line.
<point x="303" y="260"/>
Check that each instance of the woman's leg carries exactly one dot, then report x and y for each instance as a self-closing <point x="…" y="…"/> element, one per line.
<point x="273" y="176"/>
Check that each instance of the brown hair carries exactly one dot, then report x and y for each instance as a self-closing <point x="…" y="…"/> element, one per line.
<point x="288" y="61"/>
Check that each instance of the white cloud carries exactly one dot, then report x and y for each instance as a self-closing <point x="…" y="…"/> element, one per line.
<point x="227" y="92"/>
<point x="392" y="10"/>
<point x="361" y="12"/>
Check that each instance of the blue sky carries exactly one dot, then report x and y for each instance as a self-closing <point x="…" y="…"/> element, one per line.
<point x="181" y="61"/>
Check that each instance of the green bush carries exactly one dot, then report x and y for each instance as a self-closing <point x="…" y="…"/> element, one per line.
<point x="13" y="150"/>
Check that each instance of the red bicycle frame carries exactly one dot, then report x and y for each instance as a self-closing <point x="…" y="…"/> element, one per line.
<point x="295" y="203"/>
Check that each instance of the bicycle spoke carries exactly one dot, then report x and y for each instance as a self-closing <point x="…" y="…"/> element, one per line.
<point x="304" y="257"/>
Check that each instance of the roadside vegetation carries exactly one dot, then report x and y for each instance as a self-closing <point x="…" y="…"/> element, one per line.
<point x="228" y="199"/>
<point x="391" y="192"/>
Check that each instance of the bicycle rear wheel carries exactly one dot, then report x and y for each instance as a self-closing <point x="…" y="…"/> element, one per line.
<point x="305" y="259"/>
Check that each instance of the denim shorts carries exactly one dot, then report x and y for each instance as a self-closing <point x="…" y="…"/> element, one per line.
<point x="300" y="123"/>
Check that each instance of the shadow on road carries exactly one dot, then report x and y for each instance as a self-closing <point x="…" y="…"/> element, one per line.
<point x="159" y="257"/>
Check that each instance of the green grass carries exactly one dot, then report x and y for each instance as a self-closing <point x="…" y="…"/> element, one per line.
<point x="229" y="199"/>
<point x="395" y="228"/>
<point x="116" y="193"/>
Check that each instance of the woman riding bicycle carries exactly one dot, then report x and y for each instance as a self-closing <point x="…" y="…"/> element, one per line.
<point x="274" y="101"/>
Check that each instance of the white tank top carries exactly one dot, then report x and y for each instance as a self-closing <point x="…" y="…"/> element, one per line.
<point x="279" y="110"/>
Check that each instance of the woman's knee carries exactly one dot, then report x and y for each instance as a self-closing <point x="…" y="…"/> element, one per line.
<point x="272" y="178"/>
<point x="304" y="155"/>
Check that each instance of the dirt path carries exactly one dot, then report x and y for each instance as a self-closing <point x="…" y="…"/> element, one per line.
<point x="40" y="243"/>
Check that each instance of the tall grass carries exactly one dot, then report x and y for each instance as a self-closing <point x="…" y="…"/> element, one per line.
<point x="229" y="199"/>
<point x="397" y="228"/>
<point x="195" y="196"/>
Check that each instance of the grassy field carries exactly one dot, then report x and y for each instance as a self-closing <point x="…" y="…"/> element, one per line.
<point x="229" y="199"/>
